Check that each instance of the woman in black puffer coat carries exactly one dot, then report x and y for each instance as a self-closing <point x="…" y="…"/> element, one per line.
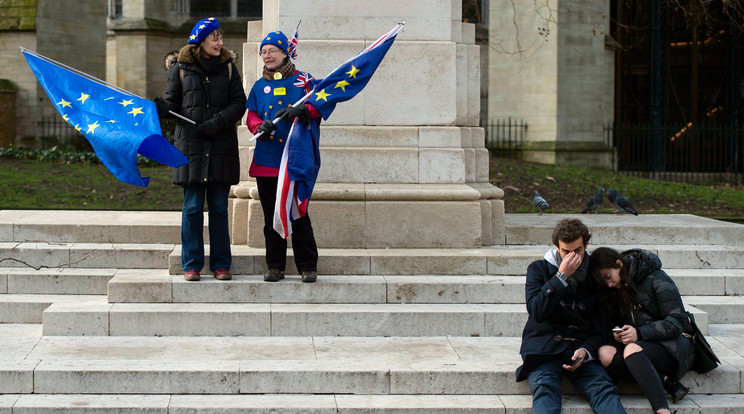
<point x="204" y="86"/>
<point x="644" y="306"/>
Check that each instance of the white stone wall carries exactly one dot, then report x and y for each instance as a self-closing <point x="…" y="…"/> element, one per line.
<point x="548" y="65"/>
<point x="13" y="66"/>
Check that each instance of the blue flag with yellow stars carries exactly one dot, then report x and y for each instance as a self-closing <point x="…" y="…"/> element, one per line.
<point x="346" y="81"/>
<point x="117" y="123"/>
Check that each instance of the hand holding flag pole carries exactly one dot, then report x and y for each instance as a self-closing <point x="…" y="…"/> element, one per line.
<point x="299" y="102"/>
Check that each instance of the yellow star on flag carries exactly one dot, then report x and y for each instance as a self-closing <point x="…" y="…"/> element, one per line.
<point x="83" y="97"/>
<point x="136" y="111"/>
<point x="111" y="121"/>
<point x="125" y="102"/>
<point x="65" y="117"/>
<point x="322" y="95"/>
<point x="77" y="126"/>
<point x="353" y="72"/>
<point x="202" y="26"/>
<point x="63" y="103"/>
<point x="342" y="85"/>
<point x="271" y="106"/>
<point x="192" y="37"/>
<point x="92" y="128"/>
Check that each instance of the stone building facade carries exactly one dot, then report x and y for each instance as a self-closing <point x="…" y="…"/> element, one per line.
<point x="70" y="32"/>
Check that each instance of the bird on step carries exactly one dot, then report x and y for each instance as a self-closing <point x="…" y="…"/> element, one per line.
<point x="621" y="203"/>
<point x="539" y="202"/>
<point x="594" y="202"/>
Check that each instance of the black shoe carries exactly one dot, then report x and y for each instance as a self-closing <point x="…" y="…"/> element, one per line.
<point x="309" y="276"/>
<point x="675" y="389"/>
<point x="274" y="275"/>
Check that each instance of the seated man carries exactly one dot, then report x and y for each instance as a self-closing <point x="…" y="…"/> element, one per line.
<point x="564" y="328"/>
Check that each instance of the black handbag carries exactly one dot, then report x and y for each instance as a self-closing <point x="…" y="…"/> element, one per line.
<point x="705" y="359"/>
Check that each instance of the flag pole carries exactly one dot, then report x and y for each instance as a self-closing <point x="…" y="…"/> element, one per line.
<point x="182" y="117"/>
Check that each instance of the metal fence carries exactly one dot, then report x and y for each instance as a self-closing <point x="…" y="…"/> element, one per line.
<point x="505" y="137"/>
<point x="54" y="131"/>
<point x="709" y="153"/>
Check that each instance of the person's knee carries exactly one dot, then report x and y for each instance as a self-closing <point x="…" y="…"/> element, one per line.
<point x="631" y="349"/>
<point x="606" y="354"/>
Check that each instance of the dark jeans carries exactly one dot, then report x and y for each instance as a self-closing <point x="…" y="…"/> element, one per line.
<point x="192" y="227"/>
<point x="303" y="238"/>
<point x="590" y="379"/>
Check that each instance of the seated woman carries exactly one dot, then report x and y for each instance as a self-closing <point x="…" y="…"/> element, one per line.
<point x="643" y="304"/>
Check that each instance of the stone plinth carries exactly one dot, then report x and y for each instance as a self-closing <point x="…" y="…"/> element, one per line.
<point x="404" y="162"/>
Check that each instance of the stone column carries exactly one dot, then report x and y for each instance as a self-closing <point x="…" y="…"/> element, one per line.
<point x="403" y="163"/>
<point x="550" y="65"/>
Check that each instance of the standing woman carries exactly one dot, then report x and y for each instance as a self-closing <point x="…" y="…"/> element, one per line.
<point x="272" y="96"/>
<point x="204" y="86"/>
<point x="643" y="305"/>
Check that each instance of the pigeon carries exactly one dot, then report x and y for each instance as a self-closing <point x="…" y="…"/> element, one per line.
<point x="621" y="203"/>
<point x="540" y="203"/>
<point x="594" y="202"/>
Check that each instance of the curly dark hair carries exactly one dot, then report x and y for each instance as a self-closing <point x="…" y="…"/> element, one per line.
<point x="569" y="230"/>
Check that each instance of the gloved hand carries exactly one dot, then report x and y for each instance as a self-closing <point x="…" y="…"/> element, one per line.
<point x="162" y="107"/>
<point x="211" y="126"/>
<point x="289" y="114"/>
<point x="267" y="127"/>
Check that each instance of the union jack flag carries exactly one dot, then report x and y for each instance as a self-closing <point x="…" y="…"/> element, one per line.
<point x="303" y="80"/>
<point x="292" y="47"/>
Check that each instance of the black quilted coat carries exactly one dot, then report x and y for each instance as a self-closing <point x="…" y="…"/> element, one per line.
<point x="206" y="90"/>
<point x="659" y="315"/>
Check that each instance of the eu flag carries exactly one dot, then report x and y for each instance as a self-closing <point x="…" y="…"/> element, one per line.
<point x="117" y="123"/>
<point x="300" y="163"/>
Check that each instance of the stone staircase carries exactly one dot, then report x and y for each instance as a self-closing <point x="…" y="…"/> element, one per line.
<point x="95" y="317"/>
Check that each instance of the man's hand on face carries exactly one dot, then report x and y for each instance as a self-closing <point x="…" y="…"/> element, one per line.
<point x="570" y="263"/>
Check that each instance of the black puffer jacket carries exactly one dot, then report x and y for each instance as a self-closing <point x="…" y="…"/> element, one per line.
<point x="659" y="315"/>
<point x="205" y="92"/>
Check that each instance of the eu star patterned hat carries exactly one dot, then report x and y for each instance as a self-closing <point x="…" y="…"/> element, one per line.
<point x="277" y="39"/>
<point x="202" y="29"/>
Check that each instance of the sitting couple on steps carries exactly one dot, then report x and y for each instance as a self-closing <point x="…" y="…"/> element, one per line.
<point x="602" y="317"/>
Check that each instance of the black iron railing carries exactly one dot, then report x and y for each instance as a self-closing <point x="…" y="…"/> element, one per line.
<point x="707" y="153"/>
<point x="505" y="137"/>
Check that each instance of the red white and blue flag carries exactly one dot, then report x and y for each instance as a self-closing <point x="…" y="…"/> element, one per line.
<point x="300" y="163"/>
<point x="292" y="46"/>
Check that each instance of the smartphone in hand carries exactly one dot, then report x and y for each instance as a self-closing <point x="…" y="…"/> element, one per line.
<point x="617" y="329"/>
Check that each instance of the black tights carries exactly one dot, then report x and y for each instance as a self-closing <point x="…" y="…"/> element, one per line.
<point x="647" y="368"/>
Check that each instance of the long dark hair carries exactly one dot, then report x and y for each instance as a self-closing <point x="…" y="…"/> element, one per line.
<point x="615" y="304"/>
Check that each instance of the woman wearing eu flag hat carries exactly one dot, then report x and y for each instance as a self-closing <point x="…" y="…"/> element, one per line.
<point x="272" y="96"/>
<point x="204" y="86"/>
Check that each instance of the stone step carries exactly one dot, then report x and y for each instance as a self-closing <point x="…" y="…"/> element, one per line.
<point x="23" y="308"/>
<point x="134" y="286"/>
<point x="158" y="286"/>
<point x="90" y="226"/>
<point x="55" y="281"/>
<point x="302" y="365"/>
<point x="645" y="229"/>
<point x="720" y="309"/>
<point x="333" y="404"/>
<point x="87" y="226"/>
<point x="491" y="260"/>
<point x="98" y="317"/>
<point x="708" y="282"/>
<point x="43" y="255"/>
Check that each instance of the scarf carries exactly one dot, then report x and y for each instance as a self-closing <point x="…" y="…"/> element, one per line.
<point x="287" y="69"/>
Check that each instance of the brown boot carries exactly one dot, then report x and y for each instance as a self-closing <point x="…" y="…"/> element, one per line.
<point x="309" y="276"/>
<point x="222" y="274"/>
<point x="192" y="275"/>
<point x="274" y="275"/>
